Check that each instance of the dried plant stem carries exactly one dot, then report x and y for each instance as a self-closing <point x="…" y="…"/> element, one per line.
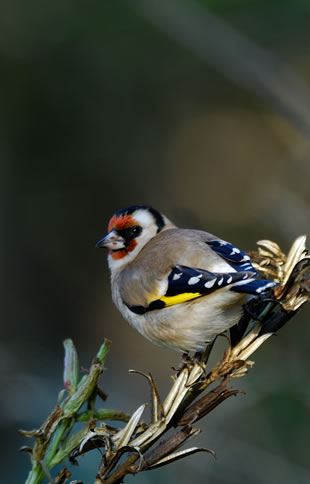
<point x="183" y="407"/>
<point x="119" y="474"/>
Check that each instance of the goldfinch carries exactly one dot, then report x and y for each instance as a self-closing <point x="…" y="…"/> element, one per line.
<point x="179" y="288"/>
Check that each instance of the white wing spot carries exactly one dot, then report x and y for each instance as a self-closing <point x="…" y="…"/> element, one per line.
<point x="229" y="279"/>
<point x="176" y="276"/>
<point x="246" y="257"/>
<point x="241" y="283"/>
<point x="220" y="282"/>
<point x="263" y="288"/>
<point x="210" y="284"/>
<point x="235" y="251"/>
<point x="245" y="277"/>
<point x="194" y="280"/>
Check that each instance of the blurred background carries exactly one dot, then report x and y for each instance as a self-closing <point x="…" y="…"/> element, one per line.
<point x="199" y="108"/>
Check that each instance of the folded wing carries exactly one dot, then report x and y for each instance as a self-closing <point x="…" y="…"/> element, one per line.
<point x="188" y="283"/>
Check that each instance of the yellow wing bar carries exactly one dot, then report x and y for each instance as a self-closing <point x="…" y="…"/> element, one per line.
<point x="180" y="298"/>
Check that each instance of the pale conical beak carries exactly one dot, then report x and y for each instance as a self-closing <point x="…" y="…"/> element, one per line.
<point x="111" y="241"/>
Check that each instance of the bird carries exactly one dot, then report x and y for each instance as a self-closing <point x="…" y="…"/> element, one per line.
<point x="180" y="288"/>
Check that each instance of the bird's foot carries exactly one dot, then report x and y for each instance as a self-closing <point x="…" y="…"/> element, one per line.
<point x="185" y="362"/>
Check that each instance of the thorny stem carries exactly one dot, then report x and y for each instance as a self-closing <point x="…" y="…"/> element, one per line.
<point x="56" y="442"/>
<point x="48" y="450"/>
<point x="37" y="474"/>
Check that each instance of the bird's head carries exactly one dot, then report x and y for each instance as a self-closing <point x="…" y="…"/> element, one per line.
<point x="129" y="230"/>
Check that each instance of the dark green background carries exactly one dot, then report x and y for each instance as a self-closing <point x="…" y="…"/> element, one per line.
<point x="99" y="108"/>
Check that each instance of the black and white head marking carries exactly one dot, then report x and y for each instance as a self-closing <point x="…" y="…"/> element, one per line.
<point x="157" y="216"/>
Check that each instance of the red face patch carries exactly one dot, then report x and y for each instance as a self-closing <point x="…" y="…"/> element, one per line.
<point x="119" y="254"/>
<point x="121" y="222"/>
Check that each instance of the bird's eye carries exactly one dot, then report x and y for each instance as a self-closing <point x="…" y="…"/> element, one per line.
<point x="133" y="231"/>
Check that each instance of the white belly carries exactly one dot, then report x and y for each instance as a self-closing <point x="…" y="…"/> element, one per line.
<point x="188" y="326"/>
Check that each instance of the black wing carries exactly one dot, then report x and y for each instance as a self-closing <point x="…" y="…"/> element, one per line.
<point x="238" y="259"/>
<point x="187" y="283"/>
